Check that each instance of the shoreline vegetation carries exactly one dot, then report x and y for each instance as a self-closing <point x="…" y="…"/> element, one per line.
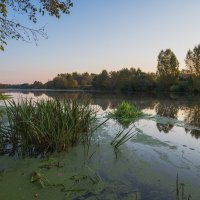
<point x="125" y="82"/>
<point x="35" y="127"/>
<point x="44" y="127"/>
<point x="168" y="78"/>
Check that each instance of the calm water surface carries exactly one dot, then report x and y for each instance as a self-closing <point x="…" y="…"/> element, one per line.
<point x="145" y="167"/>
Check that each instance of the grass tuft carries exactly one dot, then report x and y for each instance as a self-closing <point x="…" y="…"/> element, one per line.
<point x="126" y="113"/>
<point x="123" y="137"/>
<point x="47" y="125"/>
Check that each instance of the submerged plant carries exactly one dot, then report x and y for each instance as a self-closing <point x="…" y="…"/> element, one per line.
<point x="180" y="192"/>
<point x="47" y="125"/>
<point x="126" y="113"/>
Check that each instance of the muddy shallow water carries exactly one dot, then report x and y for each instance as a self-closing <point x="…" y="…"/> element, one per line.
<point x="145" y="167"/>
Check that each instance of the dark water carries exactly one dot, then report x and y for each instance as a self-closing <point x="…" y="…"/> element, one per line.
<point x="147" y="165"/>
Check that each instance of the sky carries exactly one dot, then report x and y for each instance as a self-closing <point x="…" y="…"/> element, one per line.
<point x="104" y="34"/>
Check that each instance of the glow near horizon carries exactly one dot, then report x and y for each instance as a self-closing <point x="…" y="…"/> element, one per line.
<point x="107" y="35"/>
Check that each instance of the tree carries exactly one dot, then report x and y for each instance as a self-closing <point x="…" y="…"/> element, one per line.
<point x="101" y="81"/>
<point x="13" y="29"/>
<point x="192" y="60"/>
<point x="37" y="85"/>
<point x="167" y="69"/>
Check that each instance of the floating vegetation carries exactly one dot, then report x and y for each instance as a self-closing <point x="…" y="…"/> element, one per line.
<point x="39" y="178"/>
<point x="126" y="113"/>
<point x="123" y="137"/>
<point x="47" y="125"/>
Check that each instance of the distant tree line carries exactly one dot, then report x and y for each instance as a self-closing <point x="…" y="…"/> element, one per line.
<point x="168" y="77"/>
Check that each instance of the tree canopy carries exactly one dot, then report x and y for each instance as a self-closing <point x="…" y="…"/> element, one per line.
<point x="167" y="67"/>
<point x="11" y="28"/>
<point x="192" y="60"/>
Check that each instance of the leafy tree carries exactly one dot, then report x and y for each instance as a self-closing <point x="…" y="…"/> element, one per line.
<point x="193" y="118"/>
<point x="167" y="69"/>
<point x="192" y="60"/>
<point x="101" y="81"/>
<point x="12" y="29"/>
<point x="37" y="85"/>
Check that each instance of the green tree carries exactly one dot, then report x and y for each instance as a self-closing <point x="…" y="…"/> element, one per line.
<point x="10" y="28"/>
<point x="167" y="69"/>
<point x="192" y="60"/>
<point x="37" y="85"/>
<point x="101" y="81"/>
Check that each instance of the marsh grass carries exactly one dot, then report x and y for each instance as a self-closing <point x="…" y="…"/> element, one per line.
<point x="47" y="125"/>
<point x="123" y="137"/>
<point x="180" y="191"/>
<point x="5" y="97"/>
<point x="2" y="110"/>
<point x="126" y="113"/>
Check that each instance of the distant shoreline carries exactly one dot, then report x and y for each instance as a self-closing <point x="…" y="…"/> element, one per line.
<point x="48" y="90"/>
<point x="98" y="91"/>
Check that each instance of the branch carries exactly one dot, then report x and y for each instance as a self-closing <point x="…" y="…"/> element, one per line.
<point x="11" y="29"/>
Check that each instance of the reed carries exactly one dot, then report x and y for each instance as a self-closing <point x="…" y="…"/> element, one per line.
<point x="47" y="125"/>
<point x="123" y="137"/>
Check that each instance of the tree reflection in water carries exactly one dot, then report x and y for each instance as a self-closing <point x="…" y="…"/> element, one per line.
<point x="166" y="110"/>
<point x="193" y="118"/>
<point x="165" y="106"/>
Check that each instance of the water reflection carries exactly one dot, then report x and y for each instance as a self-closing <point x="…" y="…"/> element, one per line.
<point x="166" y="110"/>
<point x="181" y="108"/>
<point x="193" y="118"/>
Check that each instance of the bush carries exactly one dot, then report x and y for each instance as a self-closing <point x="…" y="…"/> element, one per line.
<point x="181" y="86"/>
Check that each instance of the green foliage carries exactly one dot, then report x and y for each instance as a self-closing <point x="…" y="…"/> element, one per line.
<point x="192" y="60"/>
<point x="167" y="69"/>
<point x="101" y="81"/>
<point x="126" y="113"/>
<point x="4" y="97"/>
<point x="39" y="178"/>
<point x="124" y="80"/>
<point x="12" y="29"/>
<point x="2" y="110"/>
<point x="122" y="137"/>
<point x="181" y="86"/>
<point x="47" y="125"/>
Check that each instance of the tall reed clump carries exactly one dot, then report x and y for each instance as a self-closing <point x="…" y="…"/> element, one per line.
<point x="47" y="125"/>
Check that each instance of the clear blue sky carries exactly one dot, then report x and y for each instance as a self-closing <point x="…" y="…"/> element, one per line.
<point x="104" y="34"/>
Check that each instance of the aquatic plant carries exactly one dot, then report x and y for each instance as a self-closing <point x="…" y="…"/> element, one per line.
<point x="39" y="178"/>
<point x="123" y="137"/>
<point x="126" y="113"/>
<point x="47" y="125"/>
<point x="4" y="96"/>
<point x="180" y="192"/>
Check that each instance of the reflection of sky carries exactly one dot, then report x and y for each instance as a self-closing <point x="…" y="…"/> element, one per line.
<point x="166" y="153"/>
